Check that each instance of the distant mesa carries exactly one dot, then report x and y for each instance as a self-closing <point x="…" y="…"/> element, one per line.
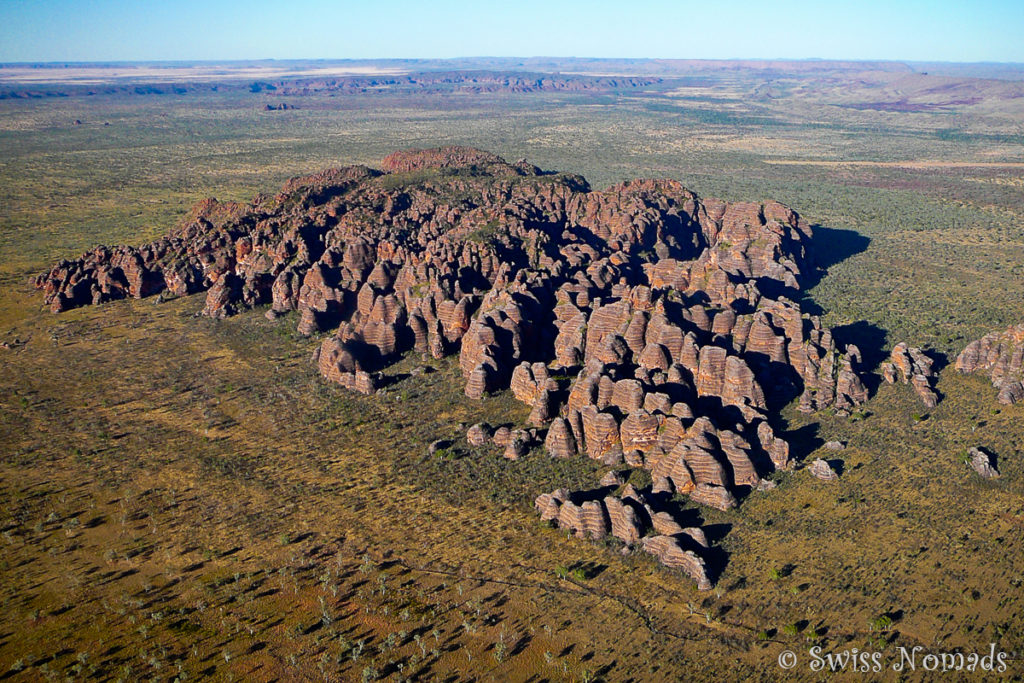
<point x="466" y="81"/>
<point x="633" y="321"/>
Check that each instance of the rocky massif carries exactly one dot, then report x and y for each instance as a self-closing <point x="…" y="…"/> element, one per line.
<point x="641" y="323"/>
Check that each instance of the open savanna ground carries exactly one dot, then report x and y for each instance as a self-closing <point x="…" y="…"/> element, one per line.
<point x="186" y="497"/>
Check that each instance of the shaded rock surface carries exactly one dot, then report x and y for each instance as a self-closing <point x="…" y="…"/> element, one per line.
<point x="669" y="552"/>
<point x="478" y="434"/>
<point x="822" y="470"/>
<point x="983" y="462"/>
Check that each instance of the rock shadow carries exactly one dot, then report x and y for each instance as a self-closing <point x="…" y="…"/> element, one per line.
<point x="590" y="570"/>
<point x="939" y="359"/>
<point x="939" y="362"/>
<point x="391" y="380"/>
<point x="828" y="247"/>
<point x="716" y="559"/>
<point x="832" y="246"/>
<point x="872" y="341"/>
<point x="803" y="441"/>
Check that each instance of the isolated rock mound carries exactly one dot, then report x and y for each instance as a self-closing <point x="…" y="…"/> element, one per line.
<point x="983" y="462"/>
<point x="999" y="355"/>
<point x="822" y="470"/>
<point x="633" y="321"/>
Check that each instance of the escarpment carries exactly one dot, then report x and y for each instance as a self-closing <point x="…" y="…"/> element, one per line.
<point x="641" y="324"/>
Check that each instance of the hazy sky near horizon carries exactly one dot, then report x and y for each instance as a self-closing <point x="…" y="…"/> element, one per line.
<point x="107" y="30"/>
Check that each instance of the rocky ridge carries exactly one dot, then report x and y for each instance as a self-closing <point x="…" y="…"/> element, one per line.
<point x="641" y="323"/>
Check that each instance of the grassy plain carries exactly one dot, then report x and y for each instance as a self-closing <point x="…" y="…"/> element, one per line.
<point x="184" y="497"/>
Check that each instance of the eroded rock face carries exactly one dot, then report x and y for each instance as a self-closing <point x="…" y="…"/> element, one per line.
<point x="630" y="320"/>
<point x="518" y="444"/>
<point x="911" y="366"/>
<point x="671" y="554"/>
<point x="983" y="462"/>
<point x="1000" y="356"/>
<point x="478" y="434"/>
<point x="629" y="517"/>
<point x="822" y="470"/>
<point x="560" y="442"/>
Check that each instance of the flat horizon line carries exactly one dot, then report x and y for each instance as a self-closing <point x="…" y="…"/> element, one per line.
<point x="243" y="60"/>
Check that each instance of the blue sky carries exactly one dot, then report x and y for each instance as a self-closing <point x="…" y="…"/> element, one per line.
<point x="98" y="30"/>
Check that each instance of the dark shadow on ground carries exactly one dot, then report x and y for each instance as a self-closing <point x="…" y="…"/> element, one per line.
<point x="939" y="359"/>
<point x="829" y="247"/>
<point x="939" y="362"/>
<point x="803" y="441"/>
<point x="590" y="569"/>
<point x="872" y="341"/>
